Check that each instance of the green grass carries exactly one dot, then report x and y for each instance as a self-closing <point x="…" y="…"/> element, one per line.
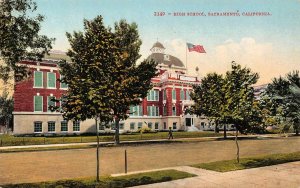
<point x="6" y="140"/>
<point x="251" y="162"/>
<point x="120" y="181"/>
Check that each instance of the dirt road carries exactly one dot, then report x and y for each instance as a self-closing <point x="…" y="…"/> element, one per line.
<point x="64" y="164"/>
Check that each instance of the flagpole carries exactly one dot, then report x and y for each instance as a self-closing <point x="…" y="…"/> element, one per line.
<point x="186" y="58"/>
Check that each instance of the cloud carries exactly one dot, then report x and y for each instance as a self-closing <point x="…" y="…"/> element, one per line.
<point x="261" y="57"/>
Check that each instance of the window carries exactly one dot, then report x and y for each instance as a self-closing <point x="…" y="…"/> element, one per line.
<point x="173" y="111"/>
<point x="187" y="93"/>
<point x="136" y="110"/>
<point x="153" y="95"/>
<point x="153" y="110"/>
<point x="174" y="125"/>
<point x="63" y="85"/>
<point x="164" y="94"/>
<point x="101" y="126"/>
<point x="38" y="79"/>
<point x="38" y="127"/>
<point x="181" y="94"/>
<point x="63" y="126"/>
<point x="132" y="125"/>
<point x="76" y="126"/>
<point x="50" y="102"/>
<point x="38" y="103"/>
<point x="173" y="94"/>
<point x="121" y="126"/>
<point x="165" y="125"/>
<point x="156" y="125"/>
<point x="51" y="126"/>
<point x="165" y="110"/>
<point x="150" y="125"/>
<point x="140" y="124"/>
<point x="202" y="124"/>
<point x="51" y="80"/>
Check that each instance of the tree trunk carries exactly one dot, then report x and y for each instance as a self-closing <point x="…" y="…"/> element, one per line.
<point x="225" y="135"/>
<point x="237" y="146"/>
<point x="117" y="135"/>
<point x="216" y="126"/>
<point x="97" y="155"/>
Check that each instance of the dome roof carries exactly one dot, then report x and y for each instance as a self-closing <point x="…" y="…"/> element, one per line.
<point x="158" y="45"/>
<point x="166" y="59"/>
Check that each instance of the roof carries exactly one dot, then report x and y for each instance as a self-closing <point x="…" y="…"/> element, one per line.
<point x="160" y="58"/>
<point x="57" y="56"/>
<point x="158" y="45"/>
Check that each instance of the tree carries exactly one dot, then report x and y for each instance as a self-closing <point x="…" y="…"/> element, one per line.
<point x="229" y="99"/>
<point x="240" y="109"/>
<point x="19" y="38"/>
<point x="209" y="99"/>
<point x="103" y="78"/>
<point x="283" y="99"/>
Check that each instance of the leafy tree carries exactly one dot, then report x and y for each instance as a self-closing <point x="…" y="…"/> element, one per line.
<point x="19" y="37"/>
<point x="283" y="99"/>
<point x="229" y="99"/>
<point x="240" y="108"/>
<point x="103" y="78"/>
<point x="209" y="99"/>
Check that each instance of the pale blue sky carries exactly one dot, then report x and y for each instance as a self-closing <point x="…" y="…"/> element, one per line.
<point x="280" y="30"/>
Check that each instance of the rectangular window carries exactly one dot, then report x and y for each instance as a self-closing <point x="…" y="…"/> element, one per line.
<point x="132" y="125"/>
<point x="38" y="127"/>
<point x="121" y="126"/>
<point x="165" y="125"/>
<point x="153" y="110"/>
<point x="164" y="94"/>
<point x="136" y="110"/>
<point x="76" y="126"/>
<point x="102" y="126"/>
<point x="51" y="126"/>
<point x="50" y="102"/>
<point x="63" y="85"/>
<point x="174" y="125"/>
<point x="173" y="111"/>
<point x="156" y="125"/>
<point x="187" y="93"/>
<point x="173" y="94"/>
<point x="140" y="125"/>
<point x="150" y="125"/>
<point x="38" y="79"/>
<point x="51" y="80"/>
<point x="38" y="103"/>
<point x="165" y="110"/>
<point x="181" y="94"/>
<point x="63" y="126"/>
<point x="153" y="95"/>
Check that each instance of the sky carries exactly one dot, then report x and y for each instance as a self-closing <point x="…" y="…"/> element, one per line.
<point x="268" y="44"/>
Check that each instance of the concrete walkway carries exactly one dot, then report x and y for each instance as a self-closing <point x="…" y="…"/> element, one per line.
<point x="3" y="148"/>
<point x="282" y="175"/>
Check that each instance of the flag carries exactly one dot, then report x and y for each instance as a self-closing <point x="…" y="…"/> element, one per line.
<point x="196" y="48"/>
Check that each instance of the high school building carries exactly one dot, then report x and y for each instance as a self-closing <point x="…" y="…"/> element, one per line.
<point x="163" y="108"/>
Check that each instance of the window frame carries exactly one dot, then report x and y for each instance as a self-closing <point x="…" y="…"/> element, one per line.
<point x="61" y="126"/>
<point x="34" y="126"/>
<point x="34" y="82"/>
<point x="50" y="124"/>
<point x="50" y="101"/>
<point x="48" y="73"/>
<point x="61" y="83"/>
<point x="76" y="126"/>
<point x="42" y="103"/>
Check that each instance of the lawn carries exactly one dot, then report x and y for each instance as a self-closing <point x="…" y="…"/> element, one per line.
<point x="121" y="181"/>
<point x="6" y="140"/>
<point x="251" y="162"/>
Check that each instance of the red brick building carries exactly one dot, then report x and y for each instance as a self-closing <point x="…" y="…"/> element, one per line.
<point x="163" y="108"/>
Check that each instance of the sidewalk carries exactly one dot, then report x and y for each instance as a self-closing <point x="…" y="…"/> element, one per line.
<point x="276" y="176"/>
<point x="134" y="142"/>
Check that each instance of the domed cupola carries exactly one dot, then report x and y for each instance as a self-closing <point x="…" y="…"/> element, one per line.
<point x="158" y="48"/>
